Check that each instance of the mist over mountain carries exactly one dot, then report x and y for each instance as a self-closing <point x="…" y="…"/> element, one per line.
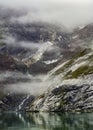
<point x="46" y="53"/>
<point x="62" y="12"/>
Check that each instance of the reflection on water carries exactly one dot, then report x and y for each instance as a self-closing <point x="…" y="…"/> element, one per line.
<point x="46" y="121"/>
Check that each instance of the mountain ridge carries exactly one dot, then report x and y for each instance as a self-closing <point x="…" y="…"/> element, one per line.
<point x="63" y="58"/>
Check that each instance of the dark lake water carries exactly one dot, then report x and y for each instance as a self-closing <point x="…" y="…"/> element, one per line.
<point x="46" y="121"/>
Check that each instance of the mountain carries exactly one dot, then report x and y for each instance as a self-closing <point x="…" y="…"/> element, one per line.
<point x="71" y="88"/>
<point x="44" y="67"/>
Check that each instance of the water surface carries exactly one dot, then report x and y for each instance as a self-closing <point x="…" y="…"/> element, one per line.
<point x="46" y="121"/>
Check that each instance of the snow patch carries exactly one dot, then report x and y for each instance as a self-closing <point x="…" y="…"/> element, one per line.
<point x="51" y="61"/>
<point x="81" y="27"/>
<point x="76" y="36"/>
<point x="58" y="67"/>
<point x="36" y="57"/>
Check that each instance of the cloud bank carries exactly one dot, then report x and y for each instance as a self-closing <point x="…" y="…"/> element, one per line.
<point x="69" y="13"/>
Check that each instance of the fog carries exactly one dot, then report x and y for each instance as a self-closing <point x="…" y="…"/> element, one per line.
<point x="9" y="40"/>
<point x="35" y="86"/>
<point x="69" y="13"/>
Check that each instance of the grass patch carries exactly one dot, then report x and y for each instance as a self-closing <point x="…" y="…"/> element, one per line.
<point x="82" y="53"/>
<point x="89" y="70"/>
<point x="62" y="69"/>
<point x="70" y="62"/>
<point x="82" y="70"/>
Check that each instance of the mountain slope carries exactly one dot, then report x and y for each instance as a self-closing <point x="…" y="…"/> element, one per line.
<point x="73" y="88"/>
<point x="57" y="65"/>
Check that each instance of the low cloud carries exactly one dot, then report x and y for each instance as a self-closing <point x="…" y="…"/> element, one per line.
<point x="35" y="86"/>
<point x="12" y="41"/>
<point x="69" y="13"/>
<point x="36" y="47"/>
<point x="38" y="85"/>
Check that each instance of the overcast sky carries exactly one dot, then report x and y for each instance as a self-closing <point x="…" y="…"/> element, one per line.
<point x="66" y="12"/>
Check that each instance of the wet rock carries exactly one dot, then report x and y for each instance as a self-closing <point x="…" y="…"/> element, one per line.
<point x="65" y="98"/>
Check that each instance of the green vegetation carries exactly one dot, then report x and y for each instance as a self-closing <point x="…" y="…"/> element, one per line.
<point x="82" y="53"/>
<point x="82" y="70"/>
<point x="62" y="69"/>
<point x="90" y="58"/>
<point x="69" y="63"/>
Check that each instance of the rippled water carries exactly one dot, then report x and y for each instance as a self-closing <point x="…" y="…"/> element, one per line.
<point x="46" y="121"/>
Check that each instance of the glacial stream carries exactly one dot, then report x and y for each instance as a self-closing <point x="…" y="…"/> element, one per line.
<point x="46" y="121"/>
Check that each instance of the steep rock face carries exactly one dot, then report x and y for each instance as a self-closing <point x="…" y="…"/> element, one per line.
<point x="36" y="33"/>
<point x="68" y="78"/>
<point x="15" y="102"/>
<point x="71" y="88"/>
<point x="65" y="98"/>
<point x="86" y="32"/>
<point x="10" y="63"/>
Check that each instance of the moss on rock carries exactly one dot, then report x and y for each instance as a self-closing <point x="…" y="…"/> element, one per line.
<point x="82" y="70"/>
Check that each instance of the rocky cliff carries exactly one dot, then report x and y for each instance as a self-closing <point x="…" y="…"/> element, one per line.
<point x="71" y="88"/>
<point x="44" y="67"/>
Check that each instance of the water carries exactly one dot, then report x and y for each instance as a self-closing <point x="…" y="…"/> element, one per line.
<point x="46" y="121"/>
